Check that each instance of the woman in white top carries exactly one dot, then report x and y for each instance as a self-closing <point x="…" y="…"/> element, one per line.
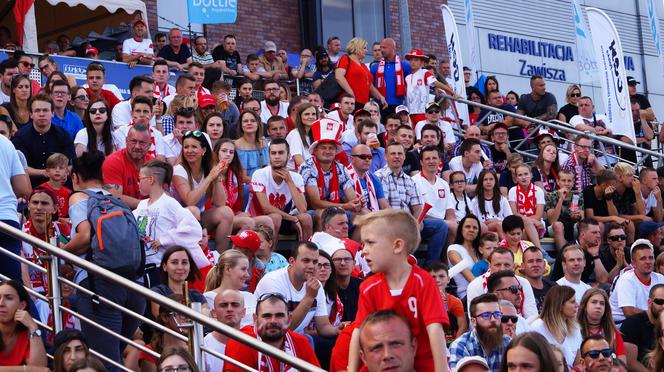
<point x="490" y="206"/>
<point x="557" y="322"/>
<point x="462" y="255"/>
<point x="197" y="183"/>
<point x="96" y="133"/>
<point x="231" y="272"/>
<point x="300" y="138"/>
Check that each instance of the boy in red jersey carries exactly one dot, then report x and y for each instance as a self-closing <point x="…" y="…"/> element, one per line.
<point x="389" y="236"/>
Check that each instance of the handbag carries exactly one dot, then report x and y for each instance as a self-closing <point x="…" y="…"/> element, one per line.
<point x="330" y="89"/>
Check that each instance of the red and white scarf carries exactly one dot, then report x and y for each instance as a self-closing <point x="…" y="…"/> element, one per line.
<point x="334" y="182"/>
<point x="336" y="316"/>
<point x="232" y="189"/>
<point x="548" y="183"/>
<point x="371" y="190"/>
<point x="380" y="78"/>
<point x="578" y="172"/>
<point x="526" y="201"/>
<point x="38" y="279"/>
<point x="265" y="362"/>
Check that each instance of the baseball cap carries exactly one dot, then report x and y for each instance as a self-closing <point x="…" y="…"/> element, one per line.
<point x="638" y="242"/>
<point x="470" y="360"/>
<point x="632" y="81"/>
<point x="270" y="46"/>
<point x="246" y="239"/>
<point x="547" y="132"/>
<point x="139" y="20"/>
<point x="91" y="50"/>
<point x="648" y="227"/>
<point x="207" y="100"/>
<point x="466" y="69"/>
<point x="401" y="108"/>
<point x="67" y="335"/>
<point x="431" y="104"/>
<point x="321" y="54"/>
<point x="361" y="111"/>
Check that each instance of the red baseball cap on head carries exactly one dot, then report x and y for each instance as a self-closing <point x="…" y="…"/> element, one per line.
<point x="139" y="20"/>
<point x="91" y="50"/>
<point x="207" y="100"/>
<point x="246" y="239"/>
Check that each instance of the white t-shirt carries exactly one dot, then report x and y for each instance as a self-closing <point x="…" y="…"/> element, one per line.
<point x="278" y="282"/>
<point x="265" y="112"/>
<point x="172" y="147"/>
<point x="580" y="288"/>
<point x="156" y="148"/>
<point x="278" y="195"/>
<point x="179" y="171"/>
<point x="539" y="196"/>
<point x="569" y="346"/>
<point x="133" y="47"/>
<point x="650" y="201"/>
<point x="448" y="132"/>
<point x="349" y="124"/>
<point x="458" y="205"/>
<point x="212" y="363"/>
<point x="417" y="90"/>
<point x="171" y="224"/>
<point x="455" y="271"/>
<point x="478" y="287"/>
<point x="249" y="305"/>
<point x="296" y="148"/>
<point x="121" y="115"/>
<point x="578" y="119"/>
<point x="10" y="166"/>
<point x="471" y="176"/>
<point x="436" y="195"/>
<point x="4" y="98"/>
<point x="82" y="138"/>
<point x="491" y="214"/>
<point x="631" y="291"/>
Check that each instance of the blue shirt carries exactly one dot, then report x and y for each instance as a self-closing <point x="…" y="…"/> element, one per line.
<point x="38" y="147"/>
<point x="391" y="80"/>
<point x="252" y="160"/>
<point x="378" y="187"/>
<point x="468" y="344"/>
<point x="71" y="123"/>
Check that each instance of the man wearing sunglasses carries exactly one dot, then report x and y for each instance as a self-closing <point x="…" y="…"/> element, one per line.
<point x="366" y="183"/>
<point x="630" y="294"/>
<point x="8" y="68"/>
<point x="486" y="339"/>
<point x="433" y="117"/>
<point x="507" y="287"/>
<point x="615" y="255"/>
<point x="639" y="331"/>
<point x="596" y="354"/>
<point x="366" y="132"/>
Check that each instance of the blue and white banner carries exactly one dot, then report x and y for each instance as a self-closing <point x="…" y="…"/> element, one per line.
<point x="471" y="38"/>
<point x="212" y="11"/>
<point x="654" y="31"/>
<point x="456" y="62"/>
<point x="585" y="56"/>
<point x="610" y="61"/>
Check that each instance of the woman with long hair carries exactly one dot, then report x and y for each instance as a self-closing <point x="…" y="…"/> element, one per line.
<point x="300" y="138"/>
<point x="465" y="252"/>
<point x="177" y="267"/>
<point x="546" y="169"/>
<point x="20" y="341"/>
<point x="251" y="147"/>
<point x="460" y="202"/>
<point x="197" y="183"/>
<point x="233" y="179"/>
<point x="98" y="125"/>
<point x="374" y="111"/>
<point x="231" y="272"/>
<point x="490" y="84"/>
<point x="528" y="349"/>
<point x="557" y="321"/>
<point x="79" y="101"/>
<point x="490" y="206"/>
<point x="245" y="90"/>
<point x="474" y="111"/>
<point x="572" y="96"/>
<point x="71" y="349"/>
<point x="55" y="75"/>
<point x="17" y="106"/>
<point x="215" y="126"/>
<point x="595" y="318"/>
<point x="326" y="275"/>
<point x="512" y="98"/>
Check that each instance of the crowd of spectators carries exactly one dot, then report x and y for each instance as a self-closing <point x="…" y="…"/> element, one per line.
<point x="418" y="239"/>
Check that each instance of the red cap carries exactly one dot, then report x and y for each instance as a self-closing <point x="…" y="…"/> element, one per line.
<point x="91" y="50"/>
<point x="186" y="40"/>
<point x="416" y="53"/>
<point x="139" y="20"/>
<point x="361" y="111"/>
<point x="206" y="100"/>
<point x="246" y="239"/>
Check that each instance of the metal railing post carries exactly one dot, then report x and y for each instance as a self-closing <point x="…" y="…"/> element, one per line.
<point x="197" y="339"/>
<point x="54" y="293"/>
<point x="297" y="86"/>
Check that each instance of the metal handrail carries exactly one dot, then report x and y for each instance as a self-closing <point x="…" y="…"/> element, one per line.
<point x="554" y="124"/>
<point x="153" y="296"/>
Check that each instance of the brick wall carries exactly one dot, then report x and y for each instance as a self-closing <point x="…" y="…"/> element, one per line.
<point x="426" y="26"/>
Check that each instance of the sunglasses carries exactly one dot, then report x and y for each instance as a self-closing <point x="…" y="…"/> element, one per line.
<point x="658" y="301"/>
<point x="617" y="238"/>
<point x="27" y="64"/>
<point x="193" y="133"/>
<point x="363" y="157"/>
<point x="101" y="110"/>
<point x="82" y="97"/>
<point x="577" y="95"/>
<point x="433" y="111"/>
<point x="487" y="315"/>
<point x="509" y="318"/>
<point x="513" y="288"/>
<point x="458" y="182"/>
<point x="594" y="354"/>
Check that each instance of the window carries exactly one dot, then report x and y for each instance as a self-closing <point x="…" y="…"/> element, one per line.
<point x="349" y="18"/>
<point x="175" y="14"/>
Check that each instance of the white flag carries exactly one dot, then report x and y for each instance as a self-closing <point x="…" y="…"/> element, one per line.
<point x="585" y="56"/>
<point x="456" y="63"/>
<point x="609" y="54"/>
<point x="471" y="37"/>
<point x="654" y="30"/>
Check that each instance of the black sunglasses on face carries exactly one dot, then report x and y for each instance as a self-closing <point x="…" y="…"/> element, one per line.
<point x="101" y="110"/>
<point x="509" y="318"/>
<point x="617" y="238"/>
<point x="594" y="354"/>
<point x="433" y="111"/>
<point x="513" y="288"/>
<point x="363" y="156"/>
<point x="658" y="301"/>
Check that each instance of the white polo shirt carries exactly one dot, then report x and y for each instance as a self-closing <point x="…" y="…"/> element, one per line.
<point x="631" y="291"/>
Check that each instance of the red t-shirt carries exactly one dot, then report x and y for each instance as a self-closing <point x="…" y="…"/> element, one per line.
<point x="339" y="358"/>
<point x="359" y="78"/>
<point x="249" y="356"/>
<point x="147" y="358"/>
<point x="19" y="354"/>
<point x="107" y="95"/>
<point x="63" y="195"/>
<point x="419" y="302"/>
<point x="119" y="170"/>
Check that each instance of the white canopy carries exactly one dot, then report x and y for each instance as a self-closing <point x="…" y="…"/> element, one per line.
<point x="77" y="17"/>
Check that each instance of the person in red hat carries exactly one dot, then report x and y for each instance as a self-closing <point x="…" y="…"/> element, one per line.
<point x="418" y="83"/>
<point x="248" y="242"/>
<point x="324" y="178"/>
<point x="138" y="50"/>
<point x="92" y="53"/>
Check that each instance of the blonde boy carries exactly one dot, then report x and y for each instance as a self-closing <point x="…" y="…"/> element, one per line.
<point x="57" y="171"/>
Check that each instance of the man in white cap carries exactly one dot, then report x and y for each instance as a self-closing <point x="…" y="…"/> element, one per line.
<point x="472" y="364"/>
<point x="271" y="63"/>
<point x="630" y="295"/>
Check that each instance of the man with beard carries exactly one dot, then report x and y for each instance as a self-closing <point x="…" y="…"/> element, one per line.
<point x="387" y="343"/>
<point x="486" y="339"/>
<point x="272" y="105"/>
<point x="596" y="354"/>
<point x="638" y="331"/>
<point x="272" y="321"/>
<point x="279" y="193"/>
<point x="228" y="309"/>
